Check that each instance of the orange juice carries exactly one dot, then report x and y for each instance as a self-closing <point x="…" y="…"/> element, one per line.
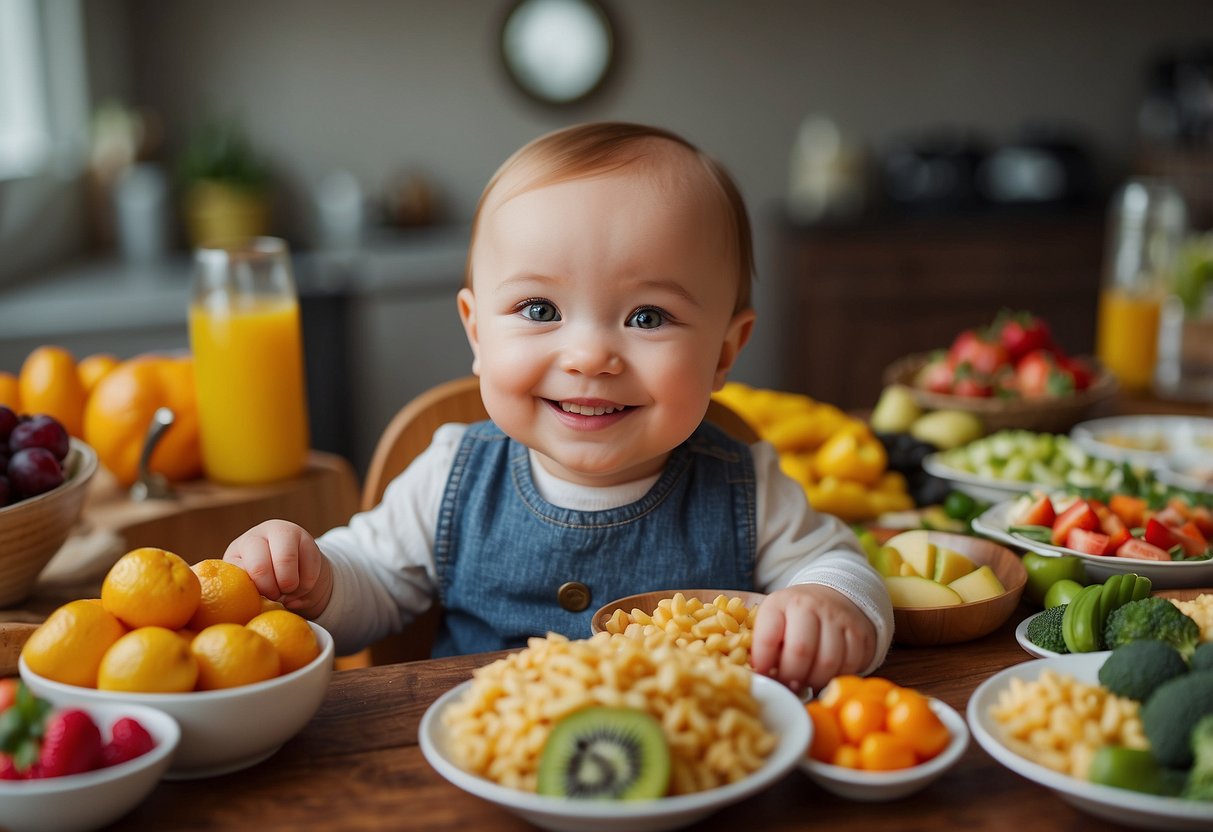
<point x="1126" y="339"/>
<point x="252" y="410"/>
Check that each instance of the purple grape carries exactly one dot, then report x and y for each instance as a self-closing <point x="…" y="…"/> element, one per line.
<point x="33" y="471"/>
<point x="41" y="431"/>
<point x="4" y="491"/>
<point x="8" y="421"/>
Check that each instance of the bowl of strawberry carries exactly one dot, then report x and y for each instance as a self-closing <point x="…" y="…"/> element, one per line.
<point x="67" y="768"/>
<point x="1012" y="374"/>
<point x="44" y="476"/>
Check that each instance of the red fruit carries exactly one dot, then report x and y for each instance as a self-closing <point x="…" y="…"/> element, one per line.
<point x="1141" y="550"/>
<point x="8" y="421"/>
<point x="936" y="376"/>
<point x="1039" y="376"/>
<point x="71" y="744"/>
<point x="971" y="383"/>
<point x="8" y="693"/>
<point x="128" y="740"/>
<point x="1021" y="333"/>
<point x="984" y="355"/>
<point x="1078" y="516"/>
<point x="34" y="471"/>
<point x="8" y="769"/>
<point x="1080" y="372"/>
<point x="40" y="431"/>
<point x="1041" y="513"/>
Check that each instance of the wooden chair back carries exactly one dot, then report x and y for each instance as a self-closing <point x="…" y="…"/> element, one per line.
<point x="409" y="433"/>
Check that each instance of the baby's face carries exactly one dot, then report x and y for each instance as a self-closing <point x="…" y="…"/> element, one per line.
<point x="601" y="319"/>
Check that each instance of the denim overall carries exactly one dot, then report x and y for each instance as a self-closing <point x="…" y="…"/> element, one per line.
<point x="502" y="552"/>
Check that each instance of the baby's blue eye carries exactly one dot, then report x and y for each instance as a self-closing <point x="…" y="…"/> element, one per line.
<point x="646" y="318"/>
<point x="540" y="310"/>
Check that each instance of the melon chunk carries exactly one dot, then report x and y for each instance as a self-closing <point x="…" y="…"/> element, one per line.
<point x="916" y="591"/>
<point x="978" y="585"/>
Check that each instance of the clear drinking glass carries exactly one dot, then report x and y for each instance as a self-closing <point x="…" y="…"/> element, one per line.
<point x="247" y="341"/>
<point x="1185" y="339"/>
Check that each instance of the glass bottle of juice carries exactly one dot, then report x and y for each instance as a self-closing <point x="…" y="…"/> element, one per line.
<point x="247" y="342"/>
<point x="1147" y="223"/>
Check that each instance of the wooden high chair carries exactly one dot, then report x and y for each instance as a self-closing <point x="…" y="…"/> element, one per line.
<point x="408" y="434"/>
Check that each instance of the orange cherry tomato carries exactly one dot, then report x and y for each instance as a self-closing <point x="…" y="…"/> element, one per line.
<point x="847" y="756"/>
<point x="839" y="689"/>
<point x="882" y="751"/>
<point x="912" y="720"/>
<point x="860" y="716"/>
<point x="827" y="735"/>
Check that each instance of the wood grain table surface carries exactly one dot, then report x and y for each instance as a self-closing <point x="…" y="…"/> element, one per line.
<point x="357" y="766"/>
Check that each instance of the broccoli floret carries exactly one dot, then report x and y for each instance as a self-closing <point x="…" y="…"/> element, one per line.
<point x="1170" y="714"/>
<point x="1045" y="630"/>
<point x="1202" y="659"/>
<point x="1200" y="778"/>
<point x="1137" y="668"/>
<point x="1155" y="618"/>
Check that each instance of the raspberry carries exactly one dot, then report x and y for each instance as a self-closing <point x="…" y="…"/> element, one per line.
<point x="128" y="740"/>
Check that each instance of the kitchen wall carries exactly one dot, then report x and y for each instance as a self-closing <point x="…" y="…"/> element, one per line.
<point x="377" y="87"/>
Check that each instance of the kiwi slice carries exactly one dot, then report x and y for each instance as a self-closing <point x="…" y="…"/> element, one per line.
<point x="602" y="753"/>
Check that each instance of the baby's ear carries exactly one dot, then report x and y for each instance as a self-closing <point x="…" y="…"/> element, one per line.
<point x="735" y="337"/>
<point x="466" y="302"/>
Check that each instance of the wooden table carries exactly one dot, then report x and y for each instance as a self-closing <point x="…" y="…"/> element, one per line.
<point x="357" y="765"/>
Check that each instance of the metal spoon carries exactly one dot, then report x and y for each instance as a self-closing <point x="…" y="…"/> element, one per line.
<point x="151" y="485"/>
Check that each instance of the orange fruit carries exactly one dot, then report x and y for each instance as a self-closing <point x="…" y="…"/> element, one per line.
<point x="847" y="756"/>
<point x="912" y="720"/>
<point x="839" y="689"/>
<point x="882" y="751"/>
<point x="291" y="636"/>
<point x="860" y="716"/>
<point x="49" y="384"/>
<point x="151" y="587"/>
<point x="69" y="645"/>
<point x="267" y="604"/>
<point x="230" y="655"/>
<point x="93" y="368"/>
<point x="827" y="735"/>
<point x="121" y="406"/>
<point x="10" y="395"/>
<point x="229" y="595"/>
<point x="148" y="660"/>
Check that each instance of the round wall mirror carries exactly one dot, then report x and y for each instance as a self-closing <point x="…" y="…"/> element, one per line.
<point x="557" y="51"/>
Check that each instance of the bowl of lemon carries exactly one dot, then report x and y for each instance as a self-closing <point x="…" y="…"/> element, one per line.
<point x="240" y="674"/>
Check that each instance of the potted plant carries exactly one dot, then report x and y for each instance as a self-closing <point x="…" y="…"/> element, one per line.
<point x="226" y="186"/>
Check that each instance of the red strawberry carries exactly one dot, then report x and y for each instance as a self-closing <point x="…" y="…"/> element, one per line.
<point x="8" y="693"/>
<point x="71" y="744"/>
<point x="129" y="740"/>
<point x="8" y="769"/>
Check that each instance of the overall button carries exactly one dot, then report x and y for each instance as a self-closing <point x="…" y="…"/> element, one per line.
<point x="573" y="596"/>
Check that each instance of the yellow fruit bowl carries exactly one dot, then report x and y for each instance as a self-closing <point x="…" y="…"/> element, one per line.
<point x="221" y="730"/>
<point x="31" y="531"/>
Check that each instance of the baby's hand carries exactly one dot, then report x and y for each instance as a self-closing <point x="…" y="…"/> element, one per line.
<point x="286" y="565"/>
<point x="807" y="634"/>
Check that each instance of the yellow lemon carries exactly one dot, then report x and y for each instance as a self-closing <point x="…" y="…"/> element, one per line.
<point x="291" y="636"/>
<point x="49" y="383"/>
<point x="69" y="645"/>
<point x="230" y="655"/>
<point x="151" y="587"/>
<point x="229" y="595"/>
<point x="148" y="660"/>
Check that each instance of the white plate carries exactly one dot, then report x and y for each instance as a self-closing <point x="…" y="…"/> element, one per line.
<point x="782" y="713"/>
<point x="1119" y="806"/>
<point x="1021" y="636"/>
<point x="981" y="488"/>
<point x="1180" y="437"/>
<point x="873" y="786"/>
<point x="993" y="523"/>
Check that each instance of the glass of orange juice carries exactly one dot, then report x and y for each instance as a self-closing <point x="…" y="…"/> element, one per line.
<point x="247" y="341"/>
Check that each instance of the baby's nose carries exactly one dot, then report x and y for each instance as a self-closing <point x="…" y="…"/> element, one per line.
<point x="591" y="358"/>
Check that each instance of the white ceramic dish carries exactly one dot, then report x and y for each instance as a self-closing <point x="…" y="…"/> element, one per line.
<point x="876" y="786"/>
<point x="782" y="713"/>
<point x="96" y="798"/>
<point x="994" y="523"/>
<point x="1163" y="441"/>
<point x="1119" y="806"/>
<point x="980" y="488"/>
<point x="221" y="730"/>
<point x="1021" y="636"/>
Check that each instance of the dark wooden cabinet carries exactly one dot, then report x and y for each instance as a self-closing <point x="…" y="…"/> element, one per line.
<point x="860" y="296"/>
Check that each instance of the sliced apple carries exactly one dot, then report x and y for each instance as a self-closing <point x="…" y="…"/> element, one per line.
<point x="917" y="550"/>
<point x="887" y="561"/>
<point x="978" y="585"/>
<point x="950" y="565"/>
<point x="915" y="591"/>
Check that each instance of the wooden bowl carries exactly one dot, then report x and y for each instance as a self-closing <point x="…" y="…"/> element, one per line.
<point x="1049" y="415"/>
<point x="32" y="530"/>
<point x="923" y="626"/>
<point x="647" y="602"/>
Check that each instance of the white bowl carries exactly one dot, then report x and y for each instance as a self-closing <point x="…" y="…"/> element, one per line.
<point x="978" y="487"/>
<point x="782" y="713"/>
<point x="1119" y="806"/>
<point x="221" y="730"/>
<point x="876" y="786"/>
<point x="95" y="798"/>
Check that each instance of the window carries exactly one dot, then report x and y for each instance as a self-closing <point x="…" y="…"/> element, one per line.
<point x="24" y="139"/>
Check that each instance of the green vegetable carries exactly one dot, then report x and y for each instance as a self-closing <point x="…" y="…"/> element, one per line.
<point x="1136" y="669"/>
<point x="1171" y="713"/>
<point x="1134" y="769"/>
<point x="1041" y="534"/>
<point x="1200" y="778"/>
<point x="1081" y="625"/>
<point x="1202" y="658"/>
<point x="1155" y="618"/>
<point x="1045" y="630"/>
<point x="959" y="506"/>
<point x="1062" y="592"/>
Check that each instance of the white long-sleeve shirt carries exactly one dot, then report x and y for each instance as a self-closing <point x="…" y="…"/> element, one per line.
<point x="383" y="562"/>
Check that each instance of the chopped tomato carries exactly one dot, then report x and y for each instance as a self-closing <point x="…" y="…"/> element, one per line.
<point x="1078" y="516"/>
<point x="1141" y="550"/>
<point x="1118" y="539"/>
<point x="1129" y="509"/>
<point x="1180" y="507"/>
<point x="1109" y="523"/>
<point x="1159" y="534"/>
<point x="1040" y="513"/>
<point x="1191" y="539"/>
<point x="1203" y="518"/>
<point x="1091" y="543"/>
<point x="1171" y="517"/>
